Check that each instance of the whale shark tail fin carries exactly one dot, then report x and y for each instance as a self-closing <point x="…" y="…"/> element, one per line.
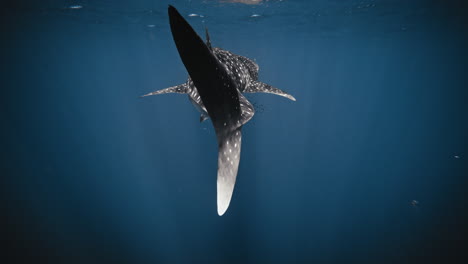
<point x="229" y="147"/>
<point x="259" y="87"/>
<point x="219" y="94"/>
<point x="181" y="88"/>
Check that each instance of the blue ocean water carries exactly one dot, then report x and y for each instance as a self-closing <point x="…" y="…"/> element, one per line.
<point x="367" y="166"/>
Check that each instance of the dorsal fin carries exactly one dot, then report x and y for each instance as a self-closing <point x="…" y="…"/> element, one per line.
<point x="208" y="41"/>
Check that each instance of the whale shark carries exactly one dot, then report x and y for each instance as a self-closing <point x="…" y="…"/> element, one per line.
<point x="215" y="86"/>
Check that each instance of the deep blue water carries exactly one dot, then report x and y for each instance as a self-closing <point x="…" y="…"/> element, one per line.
<point x="91" y="173"/>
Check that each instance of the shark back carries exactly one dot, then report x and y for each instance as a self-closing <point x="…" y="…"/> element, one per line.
<point x="241" y="69"/>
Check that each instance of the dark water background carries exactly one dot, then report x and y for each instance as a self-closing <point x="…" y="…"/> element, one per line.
<point x="91" y="173"/>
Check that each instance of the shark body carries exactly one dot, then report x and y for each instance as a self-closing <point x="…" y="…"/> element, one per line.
<point x="217" y="79"/>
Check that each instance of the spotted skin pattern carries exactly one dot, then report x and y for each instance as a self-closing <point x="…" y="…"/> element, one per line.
<point x="244" y="72"/>
<point x="220" y="71"/>
<point x="228" y="165"/>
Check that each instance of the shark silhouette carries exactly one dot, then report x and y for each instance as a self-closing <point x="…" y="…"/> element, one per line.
<point x="217" y="79"/>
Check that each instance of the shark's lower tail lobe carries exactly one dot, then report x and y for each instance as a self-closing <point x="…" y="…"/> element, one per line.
<point x="229" y="148"/>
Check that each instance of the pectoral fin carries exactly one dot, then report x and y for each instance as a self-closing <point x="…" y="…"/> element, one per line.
<point x="181" y="88"/>
<point x="259" y="87"/>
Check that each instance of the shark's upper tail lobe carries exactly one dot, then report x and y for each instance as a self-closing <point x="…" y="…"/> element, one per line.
<point x="217" y="90"/>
